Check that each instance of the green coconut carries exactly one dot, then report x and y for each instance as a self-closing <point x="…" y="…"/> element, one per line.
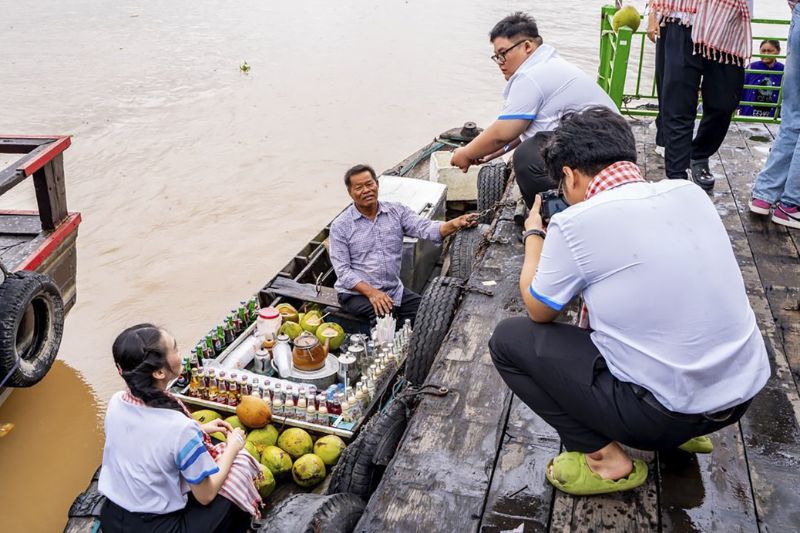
<point x="333" y="330"/>
<point x="291" y="330"/>
<point x="295" y="442"/>
<point x="311" y="321"/>
<point x="235" y="422"/>
<point x="266" y="485"/>
<point x="627" y="16"/>
<point x="278" y="461"/>
<point x="266" y="436"/>
<point x="205" y="416"/>
<point x="329" y="448"/>
<point x="253" y="450"/>
<point x="288" y="312"/>
<point x="308" y="470"/>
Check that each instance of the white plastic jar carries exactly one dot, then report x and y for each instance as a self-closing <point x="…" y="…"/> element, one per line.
<point x="268" y="322"/>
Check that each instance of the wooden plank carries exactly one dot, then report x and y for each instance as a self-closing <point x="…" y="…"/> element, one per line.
<point x="520" y="494"/>
<point x="289" y="288"/>
<point x="439" y="478"/>
<point x="51" y="195"/>
<point x="771" y="426"/>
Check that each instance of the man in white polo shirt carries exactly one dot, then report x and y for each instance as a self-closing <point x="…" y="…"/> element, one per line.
<point x="673" y="351"/>
<point x="541" y="87"/>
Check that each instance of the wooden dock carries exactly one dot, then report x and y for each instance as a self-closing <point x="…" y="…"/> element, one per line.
<point x="474" y="459"/>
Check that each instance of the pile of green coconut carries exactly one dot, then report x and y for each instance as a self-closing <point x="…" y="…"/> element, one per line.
<point x="295" y="323"/>
<point x="292" y="453"/>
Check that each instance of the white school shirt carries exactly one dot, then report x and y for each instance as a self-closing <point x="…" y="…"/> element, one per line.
<point x="666" y="298"/>
<point x="151" y="455"/>
<point x="545" y="87"/>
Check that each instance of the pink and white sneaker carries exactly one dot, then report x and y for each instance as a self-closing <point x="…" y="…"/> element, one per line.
<point x="785" y="215"/>
<point x="759" y="207"/>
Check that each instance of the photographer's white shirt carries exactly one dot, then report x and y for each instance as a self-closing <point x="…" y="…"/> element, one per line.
<point x="666" y="299"/>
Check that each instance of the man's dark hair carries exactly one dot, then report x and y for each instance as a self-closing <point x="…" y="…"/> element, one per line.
<point x="517" y="24"/>
<point x="589" y="141"/>
<point x="773" y="42"/>
<point x="358" y="169"/>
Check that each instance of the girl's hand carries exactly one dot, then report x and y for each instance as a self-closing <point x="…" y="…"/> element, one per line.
<point x="217" y="425"/>
<point x="236" y="440"/>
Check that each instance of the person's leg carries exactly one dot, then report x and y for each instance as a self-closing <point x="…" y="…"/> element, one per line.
<point x="678" y="103"/>
<point x="358" y="305"/>
<point x="529" y="168"/>
<point x="722" y="90"/>
<point x="659" y="76"/>
<point x="408" y="307"/>
<point x="771" y="182"/>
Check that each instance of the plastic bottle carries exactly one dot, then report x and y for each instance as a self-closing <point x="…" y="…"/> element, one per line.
<point x="277" y="407"/>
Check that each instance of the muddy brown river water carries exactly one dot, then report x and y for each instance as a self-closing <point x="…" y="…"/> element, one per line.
<point x="198" y="182"/>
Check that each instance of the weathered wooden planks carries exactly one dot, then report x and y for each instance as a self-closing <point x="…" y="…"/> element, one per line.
<point x="439" y="477"/>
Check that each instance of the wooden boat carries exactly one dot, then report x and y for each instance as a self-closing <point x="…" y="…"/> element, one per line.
<point x="308" y="279"/>
<point x="37" y="262"/>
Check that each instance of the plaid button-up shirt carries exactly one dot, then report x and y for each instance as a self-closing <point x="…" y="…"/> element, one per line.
<point x="371" y="251"/>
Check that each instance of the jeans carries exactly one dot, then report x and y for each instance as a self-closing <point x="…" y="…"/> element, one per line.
<point x="780" y="178"/>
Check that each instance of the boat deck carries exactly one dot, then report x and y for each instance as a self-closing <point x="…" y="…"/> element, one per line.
<point x="474" y="459"/>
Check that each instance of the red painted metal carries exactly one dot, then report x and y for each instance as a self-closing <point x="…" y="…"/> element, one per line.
<point x="67" y="227"/>
<point x="48" y="152"/>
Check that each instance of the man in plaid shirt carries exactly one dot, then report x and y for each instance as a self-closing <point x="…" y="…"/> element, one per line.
<point x="366" y="247"/>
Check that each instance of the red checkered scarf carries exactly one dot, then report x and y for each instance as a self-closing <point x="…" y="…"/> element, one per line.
<point x="720" y="28"/>
<point x="239" y="487"/>
<point x="612" y="176"/>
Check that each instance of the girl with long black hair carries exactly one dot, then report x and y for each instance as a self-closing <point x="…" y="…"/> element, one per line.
<point x="155" y="454"/>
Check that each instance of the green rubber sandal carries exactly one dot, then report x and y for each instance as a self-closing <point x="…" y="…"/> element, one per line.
<point x="572" y="475"/>
<point x="697" y="445"/>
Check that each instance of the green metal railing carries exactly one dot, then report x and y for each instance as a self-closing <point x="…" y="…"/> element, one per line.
<point x="615" y="56"/>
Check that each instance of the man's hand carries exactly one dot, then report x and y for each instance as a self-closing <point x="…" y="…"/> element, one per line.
<point x="381" y="302"/>
<point x="653" y="28"/>
<point x="464" y="221"/>
<point x="461" y="160"/>
<point x="534" y="220"/>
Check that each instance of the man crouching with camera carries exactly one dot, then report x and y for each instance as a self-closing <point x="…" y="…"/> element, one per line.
<point x="673" y="351"/>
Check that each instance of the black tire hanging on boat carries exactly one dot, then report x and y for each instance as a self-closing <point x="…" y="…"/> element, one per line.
<point x="313" y="513"/>
<point x="436" y="311"/>
<point x="31" y="325"/>
<point x="463" y="251"/>
<point x="362" y="463"/>
<point x="491" y="184"/>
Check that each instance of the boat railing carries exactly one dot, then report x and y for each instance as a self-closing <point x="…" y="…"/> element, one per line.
<point x="626" y="70"/>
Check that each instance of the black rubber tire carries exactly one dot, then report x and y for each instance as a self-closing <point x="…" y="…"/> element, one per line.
<point x="31" y="325"/>
<point x="436" y="311"/>
<point x="363" y="462"/>
<point x="314" y="513"/>
<point x="491" y="185"/>
<point x="464" y="250"/>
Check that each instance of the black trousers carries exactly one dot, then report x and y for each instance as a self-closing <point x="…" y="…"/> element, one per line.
<point x="221" y="515"/>
<point x="682" y="75"/>
<point x="359" y="305"/>
<point x="559" y="373"/>
<point x="529" y="168"/>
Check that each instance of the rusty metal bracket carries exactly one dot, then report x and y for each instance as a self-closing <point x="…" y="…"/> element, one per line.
<point x="479" y="290"/>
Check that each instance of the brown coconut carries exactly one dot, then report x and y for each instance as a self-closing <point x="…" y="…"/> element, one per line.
<point x="253" y="412"/>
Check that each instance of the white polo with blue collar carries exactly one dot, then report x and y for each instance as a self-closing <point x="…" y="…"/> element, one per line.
<point x="545" y="87"/>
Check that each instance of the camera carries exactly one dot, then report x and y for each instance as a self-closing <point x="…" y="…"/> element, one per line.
<point x="552" y="202"/>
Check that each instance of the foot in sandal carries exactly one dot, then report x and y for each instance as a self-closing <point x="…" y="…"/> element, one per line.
<point x="602" y="472"/>
<point x="697" y="445"/>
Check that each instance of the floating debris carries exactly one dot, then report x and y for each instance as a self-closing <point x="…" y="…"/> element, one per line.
<point x="5" y="429"/>
<point x="244" y="67"/>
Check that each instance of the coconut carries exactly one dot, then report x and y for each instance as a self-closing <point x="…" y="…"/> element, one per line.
<point x="308" y="470"/>
<point x="333" y="331"/>
<point x="235" y="422"/>
<point x="311" y="321"/>
<point x="288" y="312"/>
<point x="329" y="449"/>
<point x="253" y="450"/>
<point x="266" y="485"/>
<point x="206" y="415"/>
<point x="263" y="437"/>
<point x="291" y="330"/>
<point x="253" y="412"/>
<point x="627" y="16"/>
<point x="295" y="442"/>
<point x="278" y="461"/>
